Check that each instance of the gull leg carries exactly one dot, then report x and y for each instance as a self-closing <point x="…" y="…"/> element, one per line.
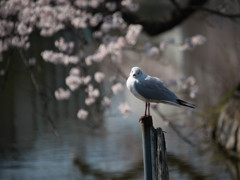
<point x="146" y="106"/>
<point x="148" y="109"/>
<point x="145" y="115"/>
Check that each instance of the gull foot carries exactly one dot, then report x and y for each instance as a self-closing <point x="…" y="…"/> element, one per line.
<point x="145" y="117"/>
<point x="141" y="118"/>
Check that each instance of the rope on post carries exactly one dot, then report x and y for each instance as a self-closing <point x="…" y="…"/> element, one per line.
<point x="154" y="151"/>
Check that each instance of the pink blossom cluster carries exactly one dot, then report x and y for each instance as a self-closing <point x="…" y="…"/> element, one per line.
<point x="130" y="5"/>
<point x="150" y="50"/>
<point x="111" y="6"/>
<point x="64" y="46"/>
<point x="188" y="44"/>
<point x="59" y="58"/>
<point x="6" y="28"/>
<point x="92" y="95"/>
<point x="125" y="109"/>
<point x="190" y="83"/>
<point x="62" y="94"/>
<point x="192" y="42"/>
<point x="113" y="48"/>
<point x="114" y="21"/>
<point x="82" y="114"/>
<point x="74" y="80"/>
<point x="50" y="18"/>
<point x="133" y="33"/>
<point x="20" y="42"/>
<point x="117" y="88"/>
<point x="90" y="3"/>
<point x="95" y="19"/>
<point x="99" y="76"/>
<point x="12" y="7"/>
<point x="106" y="101"/>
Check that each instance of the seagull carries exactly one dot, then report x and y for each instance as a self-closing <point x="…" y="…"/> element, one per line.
<point x="151" y="89"/>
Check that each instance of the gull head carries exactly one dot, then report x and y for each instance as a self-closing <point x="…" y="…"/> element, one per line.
<point x="136" y="72"/>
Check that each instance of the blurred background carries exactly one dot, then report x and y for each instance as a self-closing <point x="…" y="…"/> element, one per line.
<point x="65" y="111"/>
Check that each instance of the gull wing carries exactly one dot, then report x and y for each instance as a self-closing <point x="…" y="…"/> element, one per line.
<point x="153" y="89"/>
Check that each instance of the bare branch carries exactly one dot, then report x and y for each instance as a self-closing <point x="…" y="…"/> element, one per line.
<point x="178" y="16"/>
<point x="174" y="128"/>
<point x="219" y="13"/>
<point x="176" y="5"/>
<point x="43" y="96"/>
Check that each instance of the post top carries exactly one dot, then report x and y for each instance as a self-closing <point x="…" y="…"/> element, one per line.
<point x="147" y="120"/>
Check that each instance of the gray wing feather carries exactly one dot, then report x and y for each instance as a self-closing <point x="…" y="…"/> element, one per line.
<point x="153" y="89"/>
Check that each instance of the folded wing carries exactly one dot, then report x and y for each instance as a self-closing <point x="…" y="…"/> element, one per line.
<point x="153" y="89"/>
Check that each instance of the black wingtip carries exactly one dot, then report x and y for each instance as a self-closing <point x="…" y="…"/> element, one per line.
<point x="184" y="103"/>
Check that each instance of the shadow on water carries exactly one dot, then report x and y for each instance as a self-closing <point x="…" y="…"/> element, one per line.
<point x="135" y="171"/>
<point x="184" y="167"/>
<point x="181" y="166"/>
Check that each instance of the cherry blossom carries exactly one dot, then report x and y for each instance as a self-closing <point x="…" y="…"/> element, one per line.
<point x="106" y="101"/>
<point x="89" y="60"/>
<point x="153" y="51"/>
<point x="132" y="33"/>
<point x="74" y="71"/>
<point x="94" y="93"/>
<point x="116" y="88"/>
<point x="64" y="46"/>
<point x="198" y="40"/>
<point x="23" y="29"/>
<point x="20" y="42"/>
<point x="193" y="91"/>
<point x="99" y="77"/>
<point x="130" y="5"/>
<point x="82" y="114"/>
<point x="6" y="27"/>
<point x="111" y="6"/>
<point x="58" y="58"/>
<point x="62" y="94"/>
<point x="96" y="19"/>
<point x="73" y="82"/>
<point x="86" y="79"/>
<point x="89" y="101"/>
<point x="124" y="108"/>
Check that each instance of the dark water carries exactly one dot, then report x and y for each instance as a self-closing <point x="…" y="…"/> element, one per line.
<point x="106" y="146"/>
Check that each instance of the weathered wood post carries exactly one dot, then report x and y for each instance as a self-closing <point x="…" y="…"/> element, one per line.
<point x="154" y="151"/>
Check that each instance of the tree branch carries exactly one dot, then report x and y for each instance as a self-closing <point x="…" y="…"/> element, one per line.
<point x="219" y="13"/>
<point x="43" y="96"/>
<point x="153" y="28"/>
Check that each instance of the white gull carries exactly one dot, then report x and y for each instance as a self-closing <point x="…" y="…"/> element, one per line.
<point x="151" y="89"/>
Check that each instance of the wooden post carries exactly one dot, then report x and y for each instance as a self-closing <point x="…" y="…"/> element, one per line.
<point x="147" y="149"/>
<point x="161" y="164"/>
<point x="154" y="151"/>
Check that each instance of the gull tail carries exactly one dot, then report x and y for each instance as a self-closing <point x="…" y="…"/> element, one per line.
<point x="184" y="103"/>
